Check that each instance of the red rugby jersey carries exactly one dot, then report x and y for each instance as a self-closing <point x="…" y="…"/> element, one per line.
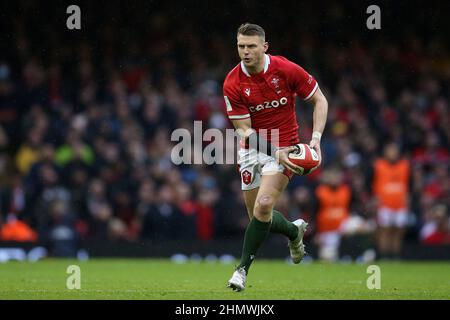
<point x="268" y="98"/>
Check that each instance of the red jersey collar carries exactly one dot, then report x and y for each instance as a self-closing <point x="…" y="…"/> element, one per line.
<point x="266" y="65"/>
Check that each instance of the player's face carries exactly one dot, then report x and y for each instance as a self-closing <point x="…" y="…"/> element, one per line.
<point x="251" y="51"/>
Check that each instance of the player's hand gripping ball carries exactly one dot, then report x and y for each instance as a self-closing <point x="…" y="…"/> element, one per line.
<point x="305" y="157"/>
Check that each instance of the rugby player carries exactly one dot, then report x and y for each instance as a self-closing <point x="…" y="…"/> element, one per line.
<point x="260" y="97"/>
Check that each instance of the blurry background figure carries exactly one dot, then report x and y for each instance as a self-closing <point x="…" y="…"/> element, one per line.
<point x="58" y="230"/>
<point x="99" y="210"/>
<point x="162" y="220"/>
<point x="391" y="190"/>
<point x="205" y="214"/>
<point x="15" y="230"/>
<point x="436" y="229"/>
<point x="303" y="204"/>
<point x="334" y="199"/>
<point x="189" y="208"/>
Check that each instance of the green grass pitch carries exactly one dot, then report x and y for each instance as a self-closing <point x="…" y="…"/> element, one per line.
<point x="272" y="280"/>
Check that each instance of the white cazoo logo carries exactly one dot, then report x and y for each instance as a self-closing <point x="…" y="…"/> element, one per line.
<point x="269" y="104"/>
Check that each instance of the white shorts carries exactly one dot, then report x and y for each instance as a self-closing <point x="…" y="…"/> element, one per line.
<point x="253" y="164"/>
<point x="329" y="243"/>
<point x="392" y="218"/>
<point x="329" y="239"/>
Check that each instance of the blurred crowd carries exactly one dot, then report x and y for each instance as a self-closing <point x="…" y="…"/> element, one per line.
<point x="86" y="123"/>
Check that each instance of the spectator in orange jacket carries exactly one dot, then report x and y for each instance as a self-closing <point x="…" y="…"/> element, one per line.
<point x="391" y="190"/>
<point x="16" y="230"/>
<point x="334" y="199"/>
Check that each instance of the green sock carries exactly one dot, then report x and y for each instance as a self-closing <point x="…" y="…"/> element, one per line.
<point x="283" y="226"/>
<point x="255" y="234"/>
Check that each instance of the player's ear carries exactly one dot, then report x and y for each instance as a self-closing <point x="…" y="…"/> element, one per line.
<point x="266" y="46"/>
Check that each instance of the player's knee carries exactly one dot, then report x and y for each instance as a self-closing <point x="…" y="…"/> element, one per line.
<point x="265" y="205"/>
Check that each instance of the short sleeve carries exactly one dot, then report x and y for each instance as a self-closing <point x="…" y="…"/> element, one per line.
<point x="301" y="81"/>
<point x="236" y="109"/>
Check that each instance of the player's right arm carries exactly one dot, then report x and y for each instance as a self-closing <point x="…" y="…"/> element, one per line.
<point x="240" y="117"/>
<point x="246" y="132"/>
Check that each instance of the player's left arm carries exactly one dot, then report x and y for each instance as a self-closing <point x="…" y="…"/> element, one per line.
<point x="320" y="112"/>
<point x="307" y="88"/>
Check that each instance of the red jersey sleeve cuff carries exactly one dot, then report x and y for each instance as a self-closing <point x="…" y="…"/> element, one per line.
<point x="312" y="92"/>
<point x="241" y="116"/>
